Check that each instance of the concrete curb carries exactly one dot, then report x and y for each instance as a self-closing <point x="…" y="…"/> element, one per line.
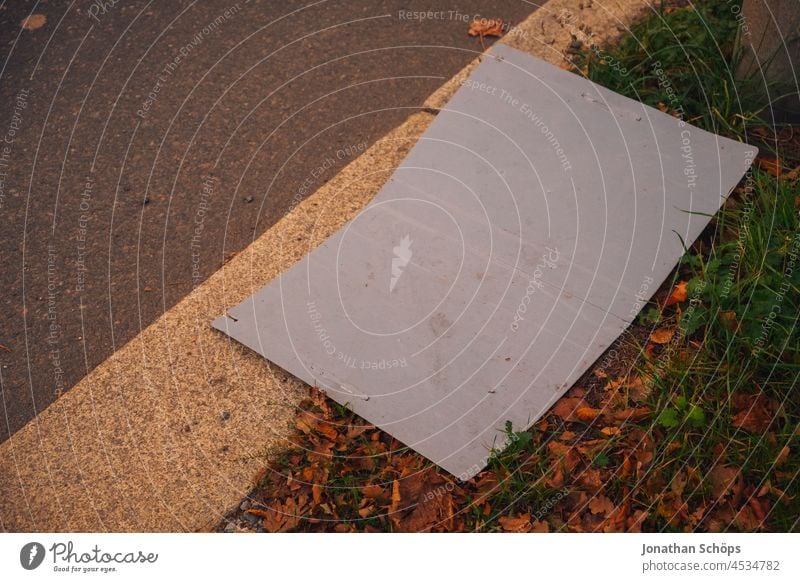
<point x="167" y="433"/>
<point x="548" y="33"/>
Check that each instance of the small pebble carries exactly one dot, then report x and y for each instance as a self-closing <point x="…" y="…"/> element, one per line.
<point x="225" y="415"/>
<point x="245" y="505"/>
<point x="248" y="199"/>
<point x="230" y="527"/>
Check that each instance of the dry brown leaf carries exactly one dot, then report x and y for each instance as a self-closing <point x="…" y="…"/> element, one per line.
<point x="357" y="431"/>
<point x="304" y="423"/>
<point x="678" y="483"/>
<point x="555" y="476"/>
<point x="756" y="412"/>
<point x="662" y="336"/>
<point x="316" y="493"/>
<point x="723" y="479"/>
<point x="747" y="520"/>
<point x="782" y="456"/>
<point x="609" y="431"/>
<point x="632" y="414"/>
<point x="638" y="389"/>
<point x="587" y="414"/>
<point x="33" y="22"/>
<point x="616" y="520"/>
<point x="327" y="430"/>
<point x="567" y="453"/>
<point x="591" y="479"/>
<point x="566" y="408"/>
<point x="792" y="175"/>
<point x="635" y="521"/>
<point x="754" y="421"/>
<point x="282" y="518"/>
<point x="396" y="499"/>
<point x="427" y="492"/>
<point x="516" y="524"/>
<point x="600" y="504"/>
<point x="486" y="27"/>
<point x="759" y="508"/>
<point x="627" y="468"/>
<point x="540" y="527"/>
<point x="678" y="295"/>
<point x="372" y="491"/>
<point x="770" y="165"/>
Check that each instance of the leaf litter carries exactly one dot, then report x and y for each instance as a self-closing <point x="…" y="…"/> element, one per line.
<point x="600" y="460"/>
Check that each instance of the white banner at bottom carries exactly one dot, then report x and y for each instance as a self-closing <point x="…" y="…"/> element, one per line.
<point x="389" y="557"/>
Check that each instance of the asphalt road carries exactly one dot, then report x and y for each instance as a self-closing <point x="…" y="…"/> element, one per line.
<point x="145" y="142"/>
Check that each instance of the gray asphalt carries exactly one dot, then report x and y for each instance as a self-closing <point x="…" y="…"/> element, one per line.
<point x="146" y="142"/>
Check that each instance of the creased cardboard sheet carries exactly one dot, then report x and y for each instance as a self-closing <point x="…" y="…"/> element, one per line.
<point x="517" y="240"/>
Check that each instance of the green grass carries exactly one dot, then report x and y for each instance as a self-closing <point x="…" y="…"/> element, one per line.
<point x="744" y="275"/>
<point x="686" y="60"/>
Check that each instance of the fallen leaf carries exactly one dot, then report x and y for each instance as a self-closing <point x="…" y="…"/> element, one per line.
<point x="756" y="412"/>
<point x="600" y="504"/>
<point x="540" y="527"/>
<point x="516" y="524"/>
<point x="638" y="389"/>
<point x="567" y="453"/>
<point x="316" y="493"/>
<point x="634" y="522"/>
<point x="327" y="430"/>
<point x="747" y="520"/>
<point x="566" y="408"/>
<point x="431" y="498"/>
<point x="632" y="414"/>
<point x="678" y="295"/>
<point x="486" y="27"/>
<point x="556" y="476"/>
<point x="678" y="484"/>
<point x="372" y="491"/>
<point x="770" y="165"/>
<point x="357" y="431"/>
<point x="758" y="508"/>
<point x="591" y="479"/>
<point x="722" y="479"/>
<point x="662" y="336"/>
<point x="627" y="468"/>
<point x="396" y="499"/>
<point x="33" y="22"/>
<point x="792" y="175"/>
<point x="587" y="414"/>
